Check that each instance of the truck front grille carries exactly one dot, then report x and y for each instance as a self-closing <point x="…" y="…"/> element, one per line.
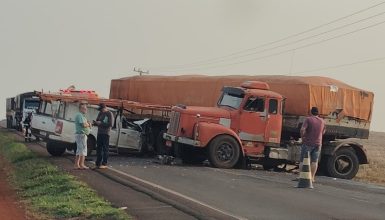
<point x="174" y="123"/>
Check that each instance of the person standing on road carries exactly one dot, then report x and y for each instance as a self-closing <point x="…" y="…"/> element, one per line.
<point x="82" y="127"/>
<point x="312" y="131"/>
<point x="104" y="123"/>
<point x="27" y="126"/>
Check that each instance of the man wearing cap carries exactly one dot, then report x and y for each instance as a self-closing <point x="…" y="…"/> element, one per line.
<point x="104" y="123"/>
<point x="312" y="131"/>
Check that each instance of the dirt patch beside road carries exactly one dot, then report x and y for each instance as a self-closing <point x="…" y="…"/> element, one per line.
<point x="374" y="172"/>
<point x="10" y="207"/>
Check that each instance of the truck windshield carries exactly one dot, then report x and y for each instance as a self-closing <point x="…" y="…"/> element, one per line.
<point x="30" y="104"/>
<point x="231" y="100"/>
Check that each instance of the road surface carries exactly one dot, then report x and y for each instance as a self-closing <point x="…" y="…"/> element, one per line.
<point x="256" y="194"/>
<point x="244" y="194"/>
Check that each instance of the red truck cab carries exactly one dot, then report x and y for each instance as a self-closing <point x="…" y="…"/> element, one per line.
<point x="245" y="121"/>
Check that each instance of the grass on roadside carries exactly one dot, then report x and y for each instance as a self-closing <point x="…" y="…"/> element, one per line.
<point x="374" y="172"/>
<point x="51" y="192"/>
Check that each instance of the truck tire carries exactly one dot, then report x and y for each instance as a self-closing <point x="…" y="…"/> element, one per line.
<point x="91" y="145"/>
<point x="55" y="149"/>
<point x="224" y="152"/>
<point x="344" y="164"/>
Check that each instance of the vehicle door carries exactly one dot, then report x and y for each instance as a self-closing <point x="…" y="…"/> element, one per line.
<point x="274" y="121"/>
<point x="129" y="134"/>
<point x="253" y="120"/>
<point x="65" y="121"/>
<point x="114" y="133"/>
<point x="43" y="121"/>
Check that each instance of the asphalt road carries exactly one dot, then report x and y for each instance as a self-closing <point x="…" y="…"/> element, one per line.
<point x="244" y="194"/>
<point x="255" y="194"/>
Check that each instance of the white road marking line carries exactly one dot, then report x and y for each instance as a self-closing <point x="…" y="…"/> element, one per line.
<point x="154" y="207"/>
<point x="241" y="174"/>
<point x="176" y="194"/>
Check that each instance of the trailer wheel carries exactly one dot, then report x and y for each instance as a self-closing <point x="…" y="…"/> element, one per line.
<point x="91" y="145"/>
<point x="344" y="164"/>
<point x="55" y="149"/>
<point x="224" y="152"/>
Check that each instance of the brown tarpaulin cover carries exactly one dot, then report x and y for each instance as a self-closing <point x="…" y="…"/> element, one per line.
<point x="302" y="92"/>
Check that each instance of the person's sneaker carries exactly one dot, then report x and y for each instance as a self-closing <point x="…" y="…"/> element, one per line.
<point x="102" y="167"/>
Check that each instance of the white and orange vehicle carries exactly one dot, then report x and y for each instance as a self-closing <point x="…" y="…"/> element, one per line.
<point x="54" y="122"/>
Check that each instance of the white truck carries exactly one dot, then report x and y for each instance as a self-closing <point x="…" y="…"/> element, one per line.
<point x="54" y="124"/>
<point x="18" y="108"/>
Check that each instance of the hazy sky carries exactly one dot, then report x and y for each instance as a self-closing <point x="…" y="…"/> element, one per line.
<point x="53" y="44"/>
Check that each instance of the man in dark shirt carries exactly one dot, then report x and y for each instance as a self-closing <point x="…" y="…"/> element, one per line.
<point x="104" y="123"/>
<point x="312" y="131"/>
<point x="27" y="126"/>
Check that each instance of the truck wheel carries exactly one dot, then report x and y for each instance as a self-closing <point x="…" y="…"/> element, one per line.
<point x="224" y="152"/>
<point x="344" y="164"/>
<point x="91" y="145"/>
<point x="55" y="149"/>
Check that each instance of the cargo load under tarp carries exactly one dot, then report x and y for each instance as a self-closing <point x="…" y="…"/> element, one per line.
<point x="332" y="97"/>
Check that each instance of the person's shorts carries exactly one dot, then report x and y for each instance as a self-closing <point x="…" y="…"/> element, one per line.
<point x="314" y="152"/>
<point x="81" y="144"/>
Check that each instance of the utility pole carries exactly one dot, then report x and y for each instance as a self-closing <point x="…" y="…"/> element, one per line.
<point x="140" y="71"/>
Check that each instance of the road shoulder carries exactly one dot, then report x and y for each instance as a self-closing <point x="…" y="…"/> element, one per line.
<point x="137" y="204"/>
<point x="10" y="204"/>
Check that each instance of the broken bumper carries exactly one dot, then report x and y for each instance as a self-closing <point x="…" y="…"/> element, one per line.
<point x="182" y="140"/>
